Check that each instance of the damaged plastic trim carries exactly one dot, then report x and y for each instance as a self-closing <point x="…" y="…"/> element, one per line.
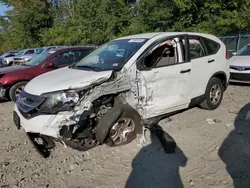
<point x="118" y="85"/>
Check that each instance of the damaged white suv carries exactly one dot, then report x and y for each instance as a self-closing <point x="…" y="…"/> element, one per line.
<point x="122" y="86"/>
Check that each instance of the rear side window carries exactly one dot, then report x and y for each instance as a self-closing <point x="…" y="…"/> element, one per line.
<point x="212" y="47"/>
<point x="70" y="57"/>
<point x="81" y="54"/>
<point x="196" y="49"/>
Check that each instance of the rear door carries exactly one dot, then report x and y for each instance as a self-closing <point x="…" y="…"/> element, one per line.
<point x="202" y="53"/>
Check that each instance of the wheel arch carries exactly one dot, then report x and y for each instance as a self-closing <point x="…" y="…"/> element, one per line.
<point x="7" y="93"/>
<point x="222" y="76"/>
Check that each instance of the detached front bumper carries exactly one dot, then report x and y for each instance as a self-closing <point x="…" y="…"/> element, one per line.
<point x="48" y="125"/>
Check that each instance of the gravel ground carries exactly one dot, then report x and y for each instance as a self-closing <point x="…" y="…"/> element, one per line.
<point x="209" y="154"/>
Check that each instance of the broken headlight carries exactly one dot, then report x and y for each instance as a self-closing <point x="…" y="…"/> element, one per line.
<point x="59" y="101"/>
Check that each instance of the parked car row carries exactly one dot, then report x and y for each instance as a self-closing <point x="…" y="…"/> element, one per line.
<point x="22" y="56"/>
<point x="6" y="55"/>
<point x="106" y="95"/>
<point x="14" y="78"/>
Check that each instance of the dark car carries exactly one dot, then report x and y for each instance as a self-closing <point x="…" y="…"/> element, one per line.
<point x="13" y="79"/>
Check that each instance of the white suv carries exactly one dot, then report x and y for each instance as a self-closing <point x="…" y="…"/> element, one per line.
<point x="126" y="83"/>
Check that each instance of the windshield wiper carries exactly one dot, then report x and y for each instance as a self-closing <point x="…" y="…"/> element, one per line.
<point x="89" y="67"/>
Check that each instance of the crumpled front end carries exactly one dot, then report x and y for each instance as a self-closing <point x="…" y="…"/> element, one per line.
<point x="73" y="125"/>
<point x="36" y="119"/>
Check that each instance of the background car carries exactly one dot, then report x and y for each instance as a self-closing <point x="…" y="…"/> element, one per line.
<point x="240" y="66"/>
<point x="7" y="54"/>
<point x="14" y="78"/>
<point x="10" y="60"/>
<point x="46" y="48"/>
<point x="27" y="56"/>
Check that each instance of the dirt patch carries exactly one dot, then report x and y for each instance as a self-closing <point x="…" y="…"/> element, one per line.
<point x="207" y="154"/>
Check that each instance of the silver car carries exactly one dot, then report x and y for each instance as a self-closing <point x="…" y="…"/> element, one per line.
<point x="20" y="56"/>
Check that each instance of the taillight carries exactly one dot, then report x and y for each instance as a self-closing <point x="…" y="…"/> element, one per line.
<point x="227" y="54"/>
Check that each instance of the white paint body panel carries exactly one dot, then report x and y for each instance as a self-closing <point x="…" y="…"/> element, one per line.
<point x="165" y="89"/>
<point x="202" y="70"/>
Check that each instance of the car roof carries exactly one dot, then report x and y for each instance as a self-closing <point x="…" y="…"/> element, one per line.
<point x="142" y="35"/>
<point x="72" y="48"/>
<point x="166" y="34"/>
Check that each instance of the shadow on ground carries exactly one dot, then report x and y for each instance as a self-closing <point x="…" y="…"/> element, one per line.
<point x="235" y="150"/>
<point x="152" y="167"/>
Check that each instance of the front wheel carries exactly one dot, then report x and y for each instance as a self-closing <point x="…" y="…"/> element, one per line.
<point x="126" y="128"/>
<point x="16" y="89"/>
<point x="213" y="95"/>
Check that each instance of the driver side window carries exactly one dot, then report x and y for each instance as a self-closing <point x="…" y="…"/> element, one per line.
<point x="163" y="54"/>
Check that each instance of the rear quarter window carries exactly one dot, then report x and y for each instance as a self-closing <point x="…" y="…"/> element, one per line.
<point x="212" y="47"/>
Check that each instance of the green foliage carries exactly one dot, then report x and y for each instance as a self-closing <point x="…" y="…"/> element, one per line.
<point x="33" y="23"/>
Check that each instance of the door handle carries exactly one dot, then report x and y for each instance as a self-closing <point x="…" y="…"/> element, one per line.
<point x="210" y="61"/>
<point x="185" y="71"/>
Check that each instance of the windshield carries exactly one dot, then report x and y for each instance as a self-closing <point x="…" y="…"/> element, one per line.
<point x="112" y="55"/>
<point x="3" y="55"/>
<point x="39" y="58"/>
<point x="20" y="53"/>
<point x="40" y="50"/>
<point x="245" y="51"/>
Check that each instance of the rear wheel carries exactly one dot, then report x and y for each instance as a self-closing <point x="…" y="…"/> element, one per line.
<point x="213" y="95"/>
<point x="16" y="89"/>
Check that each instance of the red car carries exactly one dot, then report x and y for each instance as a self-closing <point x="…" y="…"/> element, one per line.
<point x="14" y="78"/>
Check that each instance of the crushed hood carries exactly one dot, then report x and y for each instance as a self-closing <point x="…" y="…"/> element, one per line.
<point x="63" y="79"/>
<point x="243" y="61"/>
<point x="12" y="69"/>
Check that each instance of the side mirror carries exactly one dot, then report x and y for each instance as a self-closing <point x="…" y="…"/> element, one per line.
<point x="49" y="65"/>
<point x="234" y="53"/>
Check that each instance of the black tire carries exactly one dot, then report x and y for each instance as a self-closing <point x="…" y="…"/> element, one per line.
<point x="129" y="115"/>
<point x="208" y="104"/>
<point x="14" y="90"/>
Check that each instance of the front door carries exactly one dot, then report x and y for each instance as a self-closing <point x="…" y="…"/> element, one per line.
<point x="164" y="78"/>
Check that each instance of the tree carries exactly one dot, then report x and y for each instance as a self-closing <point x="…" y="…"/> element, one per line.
<point x="34" y="23"/>
<point x="27" y="20"/>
